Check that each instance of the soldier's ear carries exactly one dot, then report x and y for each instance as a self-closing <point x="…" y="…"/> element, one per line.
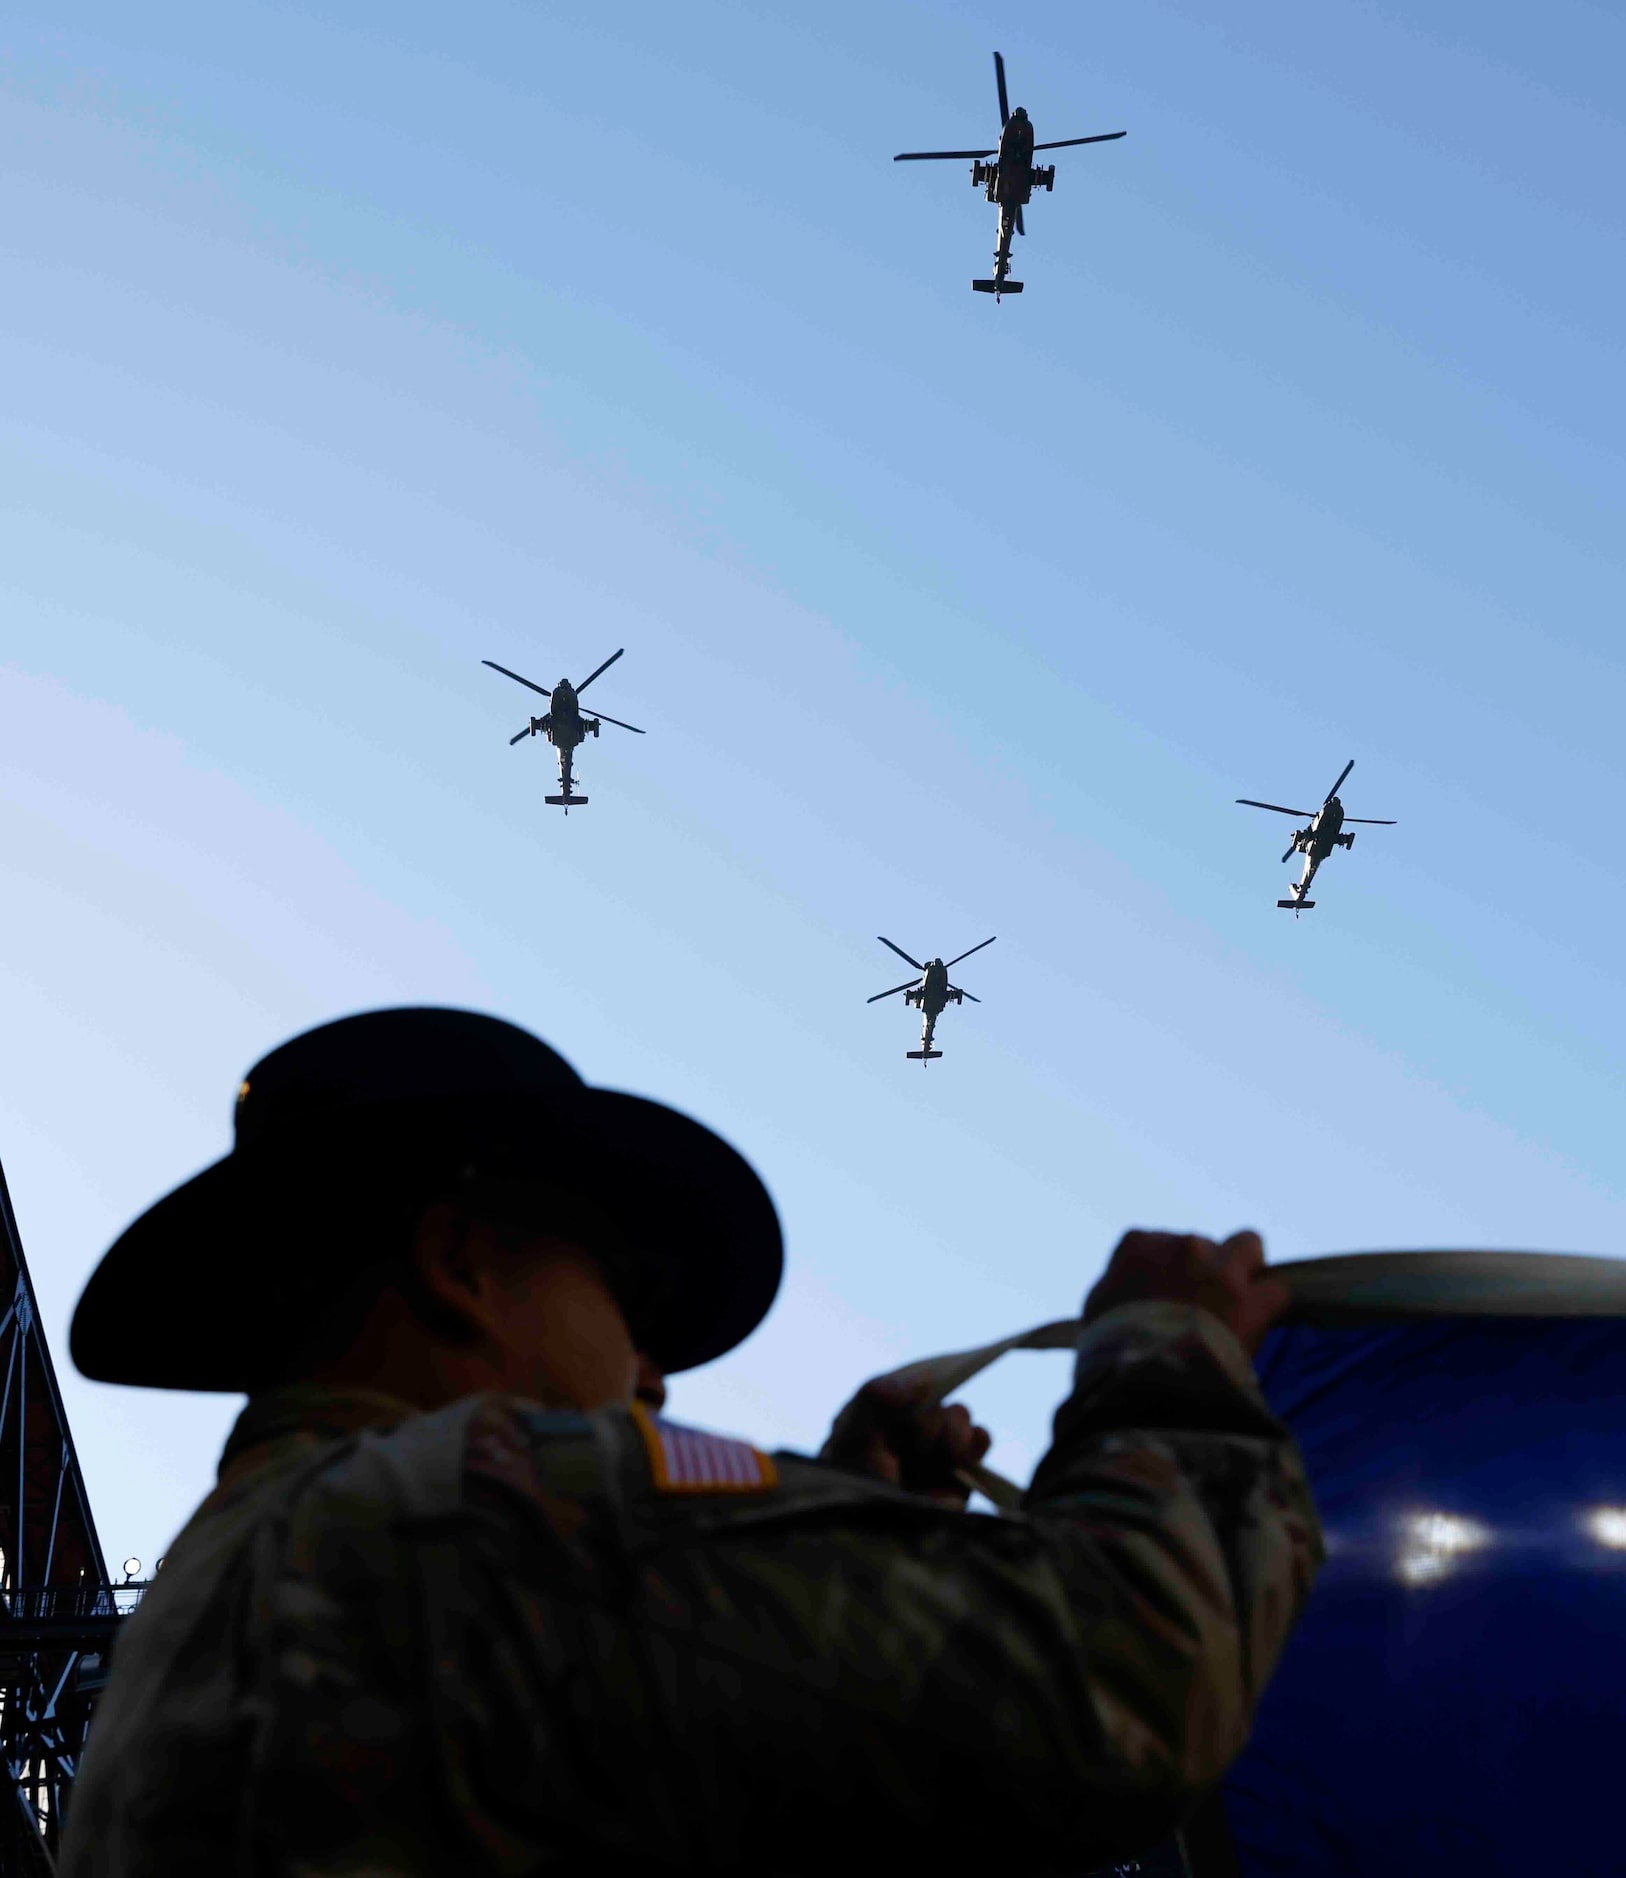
<point x="452" y="1282"/>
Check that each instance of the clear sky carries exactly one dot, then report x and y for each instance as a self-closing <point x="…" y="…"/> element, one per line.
<point x="346" y="346"/>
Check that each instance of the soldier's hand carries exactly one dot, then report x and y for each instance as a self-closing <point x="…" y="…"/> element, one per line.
<point x="887" y="1432"/>
<point x="1230" y="1280"/>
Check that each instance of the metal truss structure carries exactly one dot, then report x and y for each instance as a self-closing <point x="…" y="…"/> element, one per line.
<point x="58" y="1609"/>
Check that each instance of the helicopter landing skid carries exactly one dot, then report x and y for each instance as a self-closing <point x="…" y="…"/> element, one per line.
<point x="996" y="287"/>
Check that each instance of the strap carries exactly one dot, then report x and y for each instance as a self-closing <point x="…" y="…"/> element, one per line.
<point x="1344" y="1288"/>
<point x="932" y="1378"/>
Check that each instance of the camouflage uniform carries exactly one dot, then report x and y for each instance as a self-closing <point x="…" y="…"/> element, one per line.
<point x="495" y="1639"/>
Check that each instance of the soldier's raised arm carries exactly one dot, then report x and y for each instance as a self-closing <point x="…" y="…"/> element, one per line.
<point x="1068" y="1683"/>
<point x="1169" y="1487"/>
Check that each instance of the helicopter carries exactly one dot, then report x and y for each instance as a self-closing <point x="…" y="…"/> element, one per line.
<point x="1009" y="180"/>
<point x="933" y="993"/>
<point x="1317" y="841"/>
<point x="564" y="726"/>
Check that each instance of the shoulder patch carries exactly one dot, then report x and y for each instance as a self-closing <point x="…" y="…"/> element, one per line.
<point x="688" y="1460"/>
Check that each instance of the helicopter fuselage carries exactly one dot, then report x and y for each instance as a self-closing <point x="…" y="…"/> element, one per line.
<point x="930" y="994"/>
<point x="1010" y="175"/>
<point x="1317" y="842"/>
<point x="1009" y="182"/>
<point x="1009" y="179"/>
<point x="1322" y="836"/>
<point x="564" y="726"/>
<point x="933" y="995"/>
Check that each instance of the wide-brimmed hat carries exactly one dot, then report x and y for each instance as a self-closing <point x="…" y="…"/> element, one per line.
<point x="185" y="1297"/>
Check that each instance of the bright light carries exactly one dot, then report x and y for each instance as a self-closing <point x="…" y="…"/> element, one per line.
<point x="1607" y="1524"/>
<point x="1421" y="1568"/>
<point x="1434" y="1543"/>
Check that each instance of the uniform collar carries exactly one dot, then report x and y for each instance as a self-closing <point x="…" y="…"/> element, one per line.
<point x="305" y="1414"/>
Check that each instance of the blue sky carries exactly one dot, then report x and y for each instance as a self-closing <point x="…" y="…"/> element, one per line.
<point x="347" y="347"/>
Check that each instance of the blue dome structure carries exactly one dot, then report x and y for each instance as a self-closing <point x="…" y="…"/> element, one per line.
<point x="1452" y="1701"/>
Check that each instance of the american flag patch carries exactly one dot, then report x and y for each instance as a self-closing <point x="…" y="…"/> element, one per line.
<point x="688" y="1460"/>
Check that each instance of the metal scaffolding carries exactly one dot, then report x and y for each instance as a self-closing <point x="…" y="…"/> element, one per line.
<point x="58" y="1608"/>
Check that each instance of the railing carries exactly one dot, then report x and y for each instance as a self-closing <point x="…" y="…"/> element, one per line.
<point x="56" y="1602"/>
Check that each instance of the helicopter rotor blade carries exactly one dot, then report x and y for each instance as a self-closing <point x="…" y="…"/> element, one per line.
<point x="617" y="722"/>
<point x="966" y="955"/>
<point x="1340" y="782"/>
<point x="1291" y="852"/>
<point x="526" y="732"/>
<point x="1004" y="102"/>
<point x="936" y="156"/>
<point x="892" y="993"/>
<point x="1021" y="227"/>
<point x="596" y="670"/>
<point x="1248" y="802"/>
<point x="1368" y="821"/>
<point x="516" y="677"/>
<point x="1066" y="143"/>
<point x="900" y="952"/>
<point x="965" y="994"/>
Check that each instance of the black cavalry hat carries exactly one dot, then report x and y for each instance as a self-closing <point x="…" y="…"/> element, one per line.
<point x="186" y="1297"/>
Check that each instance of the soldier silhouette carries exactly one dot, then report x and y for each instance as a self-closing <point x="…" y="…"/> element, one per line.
<point x="464" y="1601"/>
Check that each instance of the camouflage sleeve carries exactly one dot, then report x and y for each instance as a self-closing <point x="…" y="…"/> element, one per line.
<point x="1171" y="1487"/>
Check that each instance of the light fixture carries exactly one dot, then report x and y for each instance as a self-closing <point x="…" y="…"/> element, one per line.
<point x="132" y="1567"/>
